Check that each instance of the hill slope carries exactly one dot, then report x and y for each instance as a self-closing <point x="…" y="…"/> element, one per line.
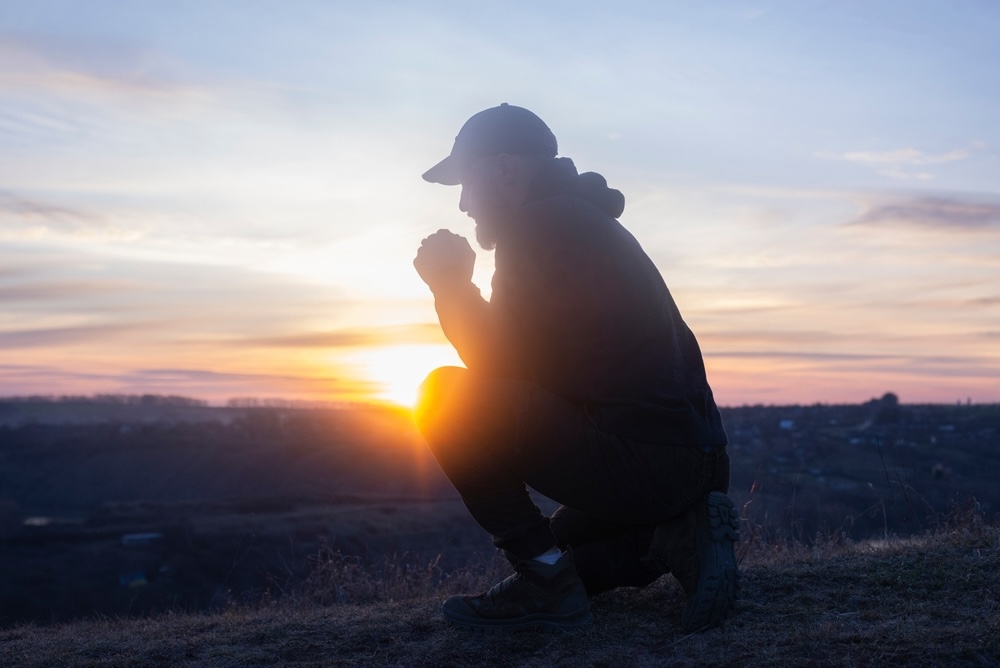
<point x="927" y="601"/>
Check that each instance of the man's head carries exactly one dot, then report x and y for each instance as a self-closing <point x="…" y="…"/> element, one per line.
<point x="495" y="156"/>
<point x="491" y="132"/>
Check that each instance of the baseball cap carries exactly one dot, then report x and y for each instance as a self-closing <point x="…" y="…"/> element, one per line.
<point x="503" y="129"/>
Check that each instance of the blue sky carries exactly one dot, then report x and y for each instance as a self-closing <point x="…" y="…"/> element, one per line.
<point x="223" y="199"/>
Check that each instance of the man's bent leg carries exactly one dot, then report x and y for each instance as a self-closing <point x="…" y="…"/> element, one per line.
<point x="467" y="421"/>
<point x="607" y="554"/>
<point x="492" y="438"/>
<point x="698" y="547"/>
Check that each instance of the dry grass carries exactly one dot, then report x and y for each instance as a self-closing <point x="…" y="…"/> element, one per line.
<point x="339" y="578"/>
<point x="931" y="600"/>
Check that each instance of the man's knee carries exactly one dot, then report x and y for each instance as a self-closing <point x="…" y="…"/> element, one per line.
<point x="437" y="397"/>
<point x="439" y="380"/>
<point x="460" y="407"/>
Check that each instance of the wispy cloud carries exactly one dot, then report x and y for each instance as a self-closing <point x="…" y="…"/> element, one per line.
<point x="899" y="156"/>
<point x="788" y="355"/>
<point x="215" y="386"/>
<point x="903" y="175"/>
<point x="916" y="362"/>
<point x="68" y="336"/>
<point x="25" y="217"/>
<point x="349" y="338"/>
<point x="899" y="163"/>
<point x="60" y="290"/>
<point x="220" y="386"/>
<point x="49" y="64"/>
<point x="934" y="213"/>
<point x="12" y="205"/>
<point x="181" y="375"/>
<point x="788" y="339"/>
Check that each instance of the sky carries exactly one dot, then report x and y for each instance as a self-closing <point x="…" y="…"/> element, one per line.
<point x="222" y="199"/>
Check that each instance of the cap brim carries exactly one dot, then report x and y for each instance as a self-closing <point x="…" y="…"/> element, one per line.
<point x="445" y="172"/>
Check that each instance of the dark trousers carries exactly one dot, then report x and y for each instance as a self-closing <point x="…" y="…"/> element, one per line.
<point x="493" y="437"/>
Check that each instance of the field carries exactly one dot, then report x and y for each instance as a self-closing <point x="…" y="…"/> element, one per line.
<point x="123" y="510"/>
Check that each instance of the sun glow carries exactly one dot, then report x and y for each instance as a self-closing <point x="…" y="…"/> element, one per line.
<point x="396" y="372"/>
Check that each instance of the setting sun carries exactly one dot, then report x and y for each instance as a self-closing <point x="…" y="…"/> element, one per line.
<point x="397" y="371"/>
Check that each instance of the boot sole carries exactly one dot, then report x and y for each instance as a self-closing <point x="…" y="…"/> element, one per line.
<point x="719" y="578"/>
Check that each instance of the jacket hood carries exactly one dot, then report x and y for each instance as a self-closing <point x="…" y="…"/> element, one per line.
<point x="560" y="177"/>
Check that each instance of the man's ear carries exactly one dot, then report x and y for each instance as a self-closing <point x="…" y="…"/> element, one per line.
<point x="507" y="168"/>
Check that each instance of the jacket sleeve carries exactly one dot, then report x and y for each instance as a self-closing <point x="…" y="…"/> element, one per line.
<point x="469" y="322"/>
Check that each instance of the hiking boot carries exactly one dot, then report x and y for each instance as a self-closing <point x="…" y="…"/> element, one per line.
<point x="536" y="595"/>
<point x="699" y="549"/>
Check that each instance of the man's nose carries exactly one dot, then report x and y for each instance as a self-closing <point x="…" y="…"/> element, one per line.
<point x="463" y="206"/>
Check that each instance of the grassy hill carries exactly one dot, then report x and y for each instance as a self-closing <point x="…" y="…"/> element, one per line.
<point x="243" y="500"/>
<point x="927" y="601"/>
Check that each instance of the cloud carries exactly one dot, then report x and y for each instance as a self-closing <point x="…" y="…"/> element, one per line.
<point x="218" y="387"/>
<point x="36" y="210"/>
<point x="215" y="386"/>
<point x="26" y="217"/>
<point x="37" y="374"/>
<point x="67" y="91"/>
<point x="901" y="156"/>
<point x="806" y="356"/>
<point x="351" y="338"/>
<point x="934" y="213"/>
<point x="70" y="65"/>
<point x="895" y="163"/>
<point x="61" y="290"/>
<point x="68" y="336"/>
<point x="788" y="339"/>
<point x="201" y="376"/>
<point x="907" y="176"/>
<point x="958" y="366"/>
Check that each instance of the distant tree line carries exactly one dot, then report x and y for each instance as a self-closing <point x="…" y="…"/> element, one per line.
<point x="170" y="400"/>
<point x="118" y="399"/>
<point x="254" y="402"/>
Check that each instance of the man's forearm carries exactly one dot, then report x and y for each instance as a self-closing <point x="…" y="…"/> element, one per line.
<point x="468" y="323"/>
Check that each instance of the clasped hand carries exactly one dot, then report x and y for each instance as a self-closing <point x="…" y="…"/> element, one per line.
<point x="445" y="259"/>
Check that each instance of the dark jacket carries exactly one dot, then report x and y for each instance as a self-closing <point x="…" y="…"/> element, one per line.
<point x="579" y="309"/>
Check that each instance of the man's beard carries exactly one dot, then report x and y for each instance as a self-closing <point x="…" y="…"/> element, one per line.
<point x="493" y="214"/>
<point x="487" y="234"/>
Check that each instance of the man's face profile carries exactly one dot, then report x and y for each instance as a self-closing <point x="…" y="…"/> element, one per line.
<point x="483" y="200"/>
